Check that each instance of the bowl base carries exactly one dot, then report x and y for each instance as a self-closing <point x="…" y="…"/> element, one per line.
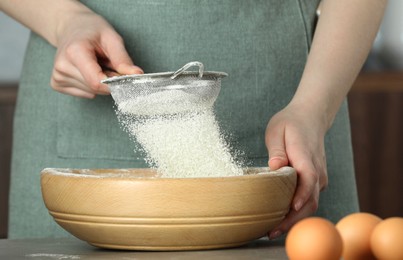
<point x="168" y="248"/>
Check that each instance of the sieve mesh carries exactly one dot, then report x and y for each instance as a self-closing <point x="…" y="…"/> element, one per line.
<point x="166" y="93"/>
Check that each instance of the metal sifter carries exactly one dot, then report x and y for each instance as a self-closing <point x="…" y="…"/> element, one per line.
<point x="166" y="92"/>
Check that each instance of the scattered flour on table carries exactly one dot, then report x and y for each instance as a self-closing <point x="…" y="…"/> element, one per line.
<point x="53" y="256"/>
<point x="179" y="135"/>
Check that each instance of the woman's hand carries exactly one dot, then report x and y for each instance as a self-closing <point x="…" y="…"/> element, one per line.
<point x="295" y="137"/>
<point x="87" y="44"/>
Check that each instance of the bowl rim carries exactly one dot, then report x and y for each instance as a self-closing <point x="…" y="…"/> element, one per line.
<point x="86" y="173"/>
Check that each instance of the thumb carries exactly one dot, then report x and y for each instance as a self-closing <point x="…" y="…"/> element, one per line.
<point x="120" y="59"/>
<point x="275" y="143"/>
<point x="128" y="68"/>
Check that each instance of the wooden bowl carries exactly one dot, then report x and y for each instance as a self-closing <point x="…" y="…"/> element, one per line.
<point x="133" y="209"/>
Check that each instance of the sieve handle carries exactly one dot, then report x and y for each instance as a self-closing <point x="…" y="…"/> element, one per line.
<point x="187" y="66"/>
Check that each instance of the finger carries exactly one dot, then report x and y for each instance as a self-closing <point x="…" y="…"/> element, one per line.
<point x="110" y="73"/>
<point x="84" y="58"/>
<point x="308" y="181"/>
<point x="294" y="216"/>
<point x="322" y="168"/>
<point x="118" y="57"/>
<point x="75" y="92"/>
<point x="275" y="143"/>
<point x="69" y="76"/>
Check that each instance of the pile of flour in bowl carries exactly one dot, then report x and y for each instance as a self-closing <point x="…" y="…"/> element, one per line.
<point x="180" y="136"/>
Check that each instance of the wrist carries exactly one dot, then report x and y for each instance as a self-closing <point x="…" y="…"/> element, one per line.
<point x="68" y="18"/>
<point x="315" y="110"/>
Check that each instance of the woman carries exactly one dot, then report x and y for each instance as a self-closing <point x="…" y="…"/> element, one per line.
<point x="264" y="47"/>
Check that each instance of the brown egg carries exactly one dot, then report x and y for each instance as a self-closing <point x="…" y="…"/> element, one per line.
<point x="355" y="230"/>
<point x="387" y="239"/>
<point x="313" y="238"/>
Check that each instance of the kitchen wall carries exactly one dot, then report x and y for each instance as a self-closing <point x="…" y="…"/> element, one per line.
<point x="13" y="40"/>
<point x="376" y="114"/>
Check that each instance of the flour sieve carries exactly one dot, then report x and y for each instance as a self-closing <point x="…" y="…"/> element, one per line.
<point x="164" y="93"/>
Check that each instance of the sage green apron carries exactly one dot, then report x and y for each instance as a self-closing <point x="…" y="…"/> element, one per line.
<point x="261" y="44"/>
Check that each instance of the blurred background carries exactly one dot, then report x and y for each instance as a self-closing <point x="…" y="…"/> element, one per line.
<point x="13" y="40"/>
<point x="375" y="101"/>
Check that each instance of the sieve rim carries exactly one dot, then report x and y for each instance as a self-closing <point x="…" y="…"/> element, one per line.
<point x="165" y="76"/>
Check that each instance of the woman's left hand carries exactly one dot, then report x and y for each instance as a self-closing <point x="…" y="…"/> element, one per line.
<point x="295" y="137"/>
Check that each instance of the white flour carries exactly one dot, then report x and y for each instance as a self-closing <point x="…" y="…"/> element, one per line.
<point x="179" y="134"/>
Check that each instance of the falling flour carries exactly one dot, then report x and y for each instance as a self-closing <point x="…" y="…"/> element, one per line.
<point x="179" y="134"/>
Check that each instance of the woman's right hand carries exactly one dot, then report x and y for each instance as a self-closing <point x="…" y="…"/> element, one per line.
<point x="86" y="44"/>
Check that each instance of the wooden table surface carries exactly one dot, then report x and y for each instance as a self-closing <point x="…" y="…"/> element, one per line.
<point x="71" y="248"/>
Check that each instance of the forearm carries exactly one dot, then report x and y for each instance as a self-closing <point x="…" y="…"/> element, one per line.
<point x="342" y="41"/>
<point x="45" y="17"/>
